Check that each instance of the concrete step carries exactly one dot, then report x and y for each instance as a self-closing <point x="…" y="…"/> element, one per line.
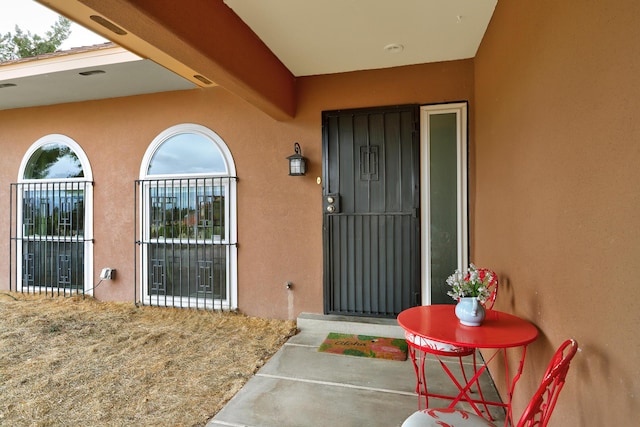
<point x="350" y="324"/>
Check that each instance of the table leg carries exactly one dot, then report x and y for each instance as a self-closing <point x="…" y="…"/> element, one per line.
<point x="511" y="386"/>
<point x="463" y="395"/>
<point x="418" y="359"/>
<point x="510" y="383"/>
<point x="475" y="370"/>
<point x="421" y="379"/>
<point x="464" y="390"/>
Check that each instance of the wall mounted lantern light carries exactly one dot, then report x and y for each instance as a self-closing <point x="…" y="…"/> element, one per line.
<point x="297" y="163"/>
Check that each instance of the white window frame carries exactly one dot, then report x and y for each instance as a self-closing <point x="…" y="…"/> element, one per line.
<point x="231" y="301"/>
<point x="88" y="207"/>
<point x="462" y="219"/>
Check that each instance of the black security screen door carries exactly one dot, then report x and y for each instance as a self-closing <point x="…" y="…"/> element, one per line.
<point x="371" y="177"/>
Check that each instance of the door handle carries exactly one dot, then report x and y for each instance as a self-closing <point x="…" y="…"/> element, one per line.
<point x="331" y="203"/>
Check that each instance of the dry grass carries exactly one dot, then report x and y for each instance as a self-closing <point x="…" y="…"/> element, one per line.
<point x="80" y="362"/>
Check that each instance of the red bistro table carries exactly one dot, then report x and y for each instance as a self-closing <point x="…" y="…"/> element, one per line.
<point x="499" y="331"/>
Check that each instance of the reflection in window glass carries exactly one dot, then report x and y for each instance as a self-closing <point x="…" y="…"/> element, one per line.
<point x="187" y="255"/>
<point x="187" y="153"/>
<point x="53" y="161"/>
<point x="53" y="210"/>
<point x="189" y="209"/>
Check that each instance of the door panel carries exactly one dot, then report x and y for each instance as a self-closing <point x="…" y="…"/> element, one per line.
<point x="372" y="237"/>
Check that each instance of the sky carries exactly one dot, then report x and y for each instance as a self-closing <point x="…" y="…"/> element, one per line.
<point x="32" y="16"/>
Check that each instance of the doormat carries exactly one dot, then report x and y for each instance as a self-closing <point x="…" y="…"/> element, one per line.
<point x="365" y="346"/>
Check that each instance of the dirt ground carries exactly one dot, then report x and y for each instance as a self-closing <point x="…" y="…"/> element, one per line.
<point x="80" y="362"/>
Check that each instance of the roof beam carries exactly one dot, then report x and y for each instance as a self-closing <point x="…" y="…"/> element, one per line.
<point x="195" y="36"/>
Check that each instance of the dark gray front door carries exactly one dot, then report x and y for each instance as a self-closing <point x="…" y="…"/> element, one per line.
<point x="371" y="176"/>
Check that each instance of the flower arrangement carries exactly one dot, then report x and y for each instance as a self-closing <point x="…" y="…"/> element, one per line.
<point x="476" y="282"/>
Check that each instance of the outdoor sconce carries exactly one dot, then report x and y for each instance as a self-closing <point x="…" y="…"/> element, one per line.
<point x="297" y="163"/>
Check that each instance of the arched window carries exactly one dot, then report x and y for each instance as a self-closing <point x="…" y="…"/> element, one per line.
<point x="54" y="233"/>
<point x="188" y="220"/>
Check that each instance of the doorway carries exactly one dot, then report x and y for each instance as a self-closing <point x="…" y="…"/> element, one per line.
<point x="394" y="207"/>
<point x="371" y="222"/>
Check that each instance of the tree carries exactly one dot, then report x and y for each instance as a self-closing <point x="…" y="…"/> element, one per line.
<point x="26" y="45"/>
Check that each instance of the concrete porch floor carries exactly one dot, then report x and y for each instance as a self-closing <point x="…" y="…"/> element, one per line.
<point x="300" y="386"/>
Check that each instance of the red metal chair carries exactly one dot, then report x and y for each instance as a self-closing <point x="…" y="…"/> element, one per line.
<point x="440" y="349"/>
<point x="536" y="414"/>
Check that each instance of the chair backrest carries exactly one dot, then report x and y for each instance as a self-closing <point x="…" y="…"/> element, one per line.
<point x="544" y="400"/>
<point x="493" y="286"/>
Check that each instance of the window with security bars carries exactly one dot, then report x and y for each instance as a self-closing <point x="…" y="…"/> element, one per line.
<point x="52" y="238"/>
<point x="49" y="234"/>
<point x="187" y="209"/>
<point x="186" y="240"/>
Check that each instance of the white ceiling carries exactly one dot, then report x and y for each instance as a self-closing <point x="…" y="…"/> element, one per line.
<point x="332" y="36"/>
<point x="310" y="37"/>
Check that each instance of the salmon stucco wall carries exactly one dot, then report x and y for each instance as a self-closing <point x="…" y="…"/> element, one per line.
<point x="279" y="217"/>
<point x="557" y="195"/>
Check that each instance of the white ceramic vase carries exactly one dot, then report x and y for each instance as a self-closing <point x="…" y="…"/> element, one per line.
<point x="470" y="311"/>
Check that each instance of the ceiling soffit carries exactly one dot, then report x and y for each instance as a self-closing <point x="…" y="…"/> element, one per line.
<point x="190" y="44"/>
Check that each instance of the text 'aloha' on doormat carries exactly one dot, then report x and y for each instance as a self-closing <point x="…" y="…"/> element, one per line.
<point x="365" y="346"/>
